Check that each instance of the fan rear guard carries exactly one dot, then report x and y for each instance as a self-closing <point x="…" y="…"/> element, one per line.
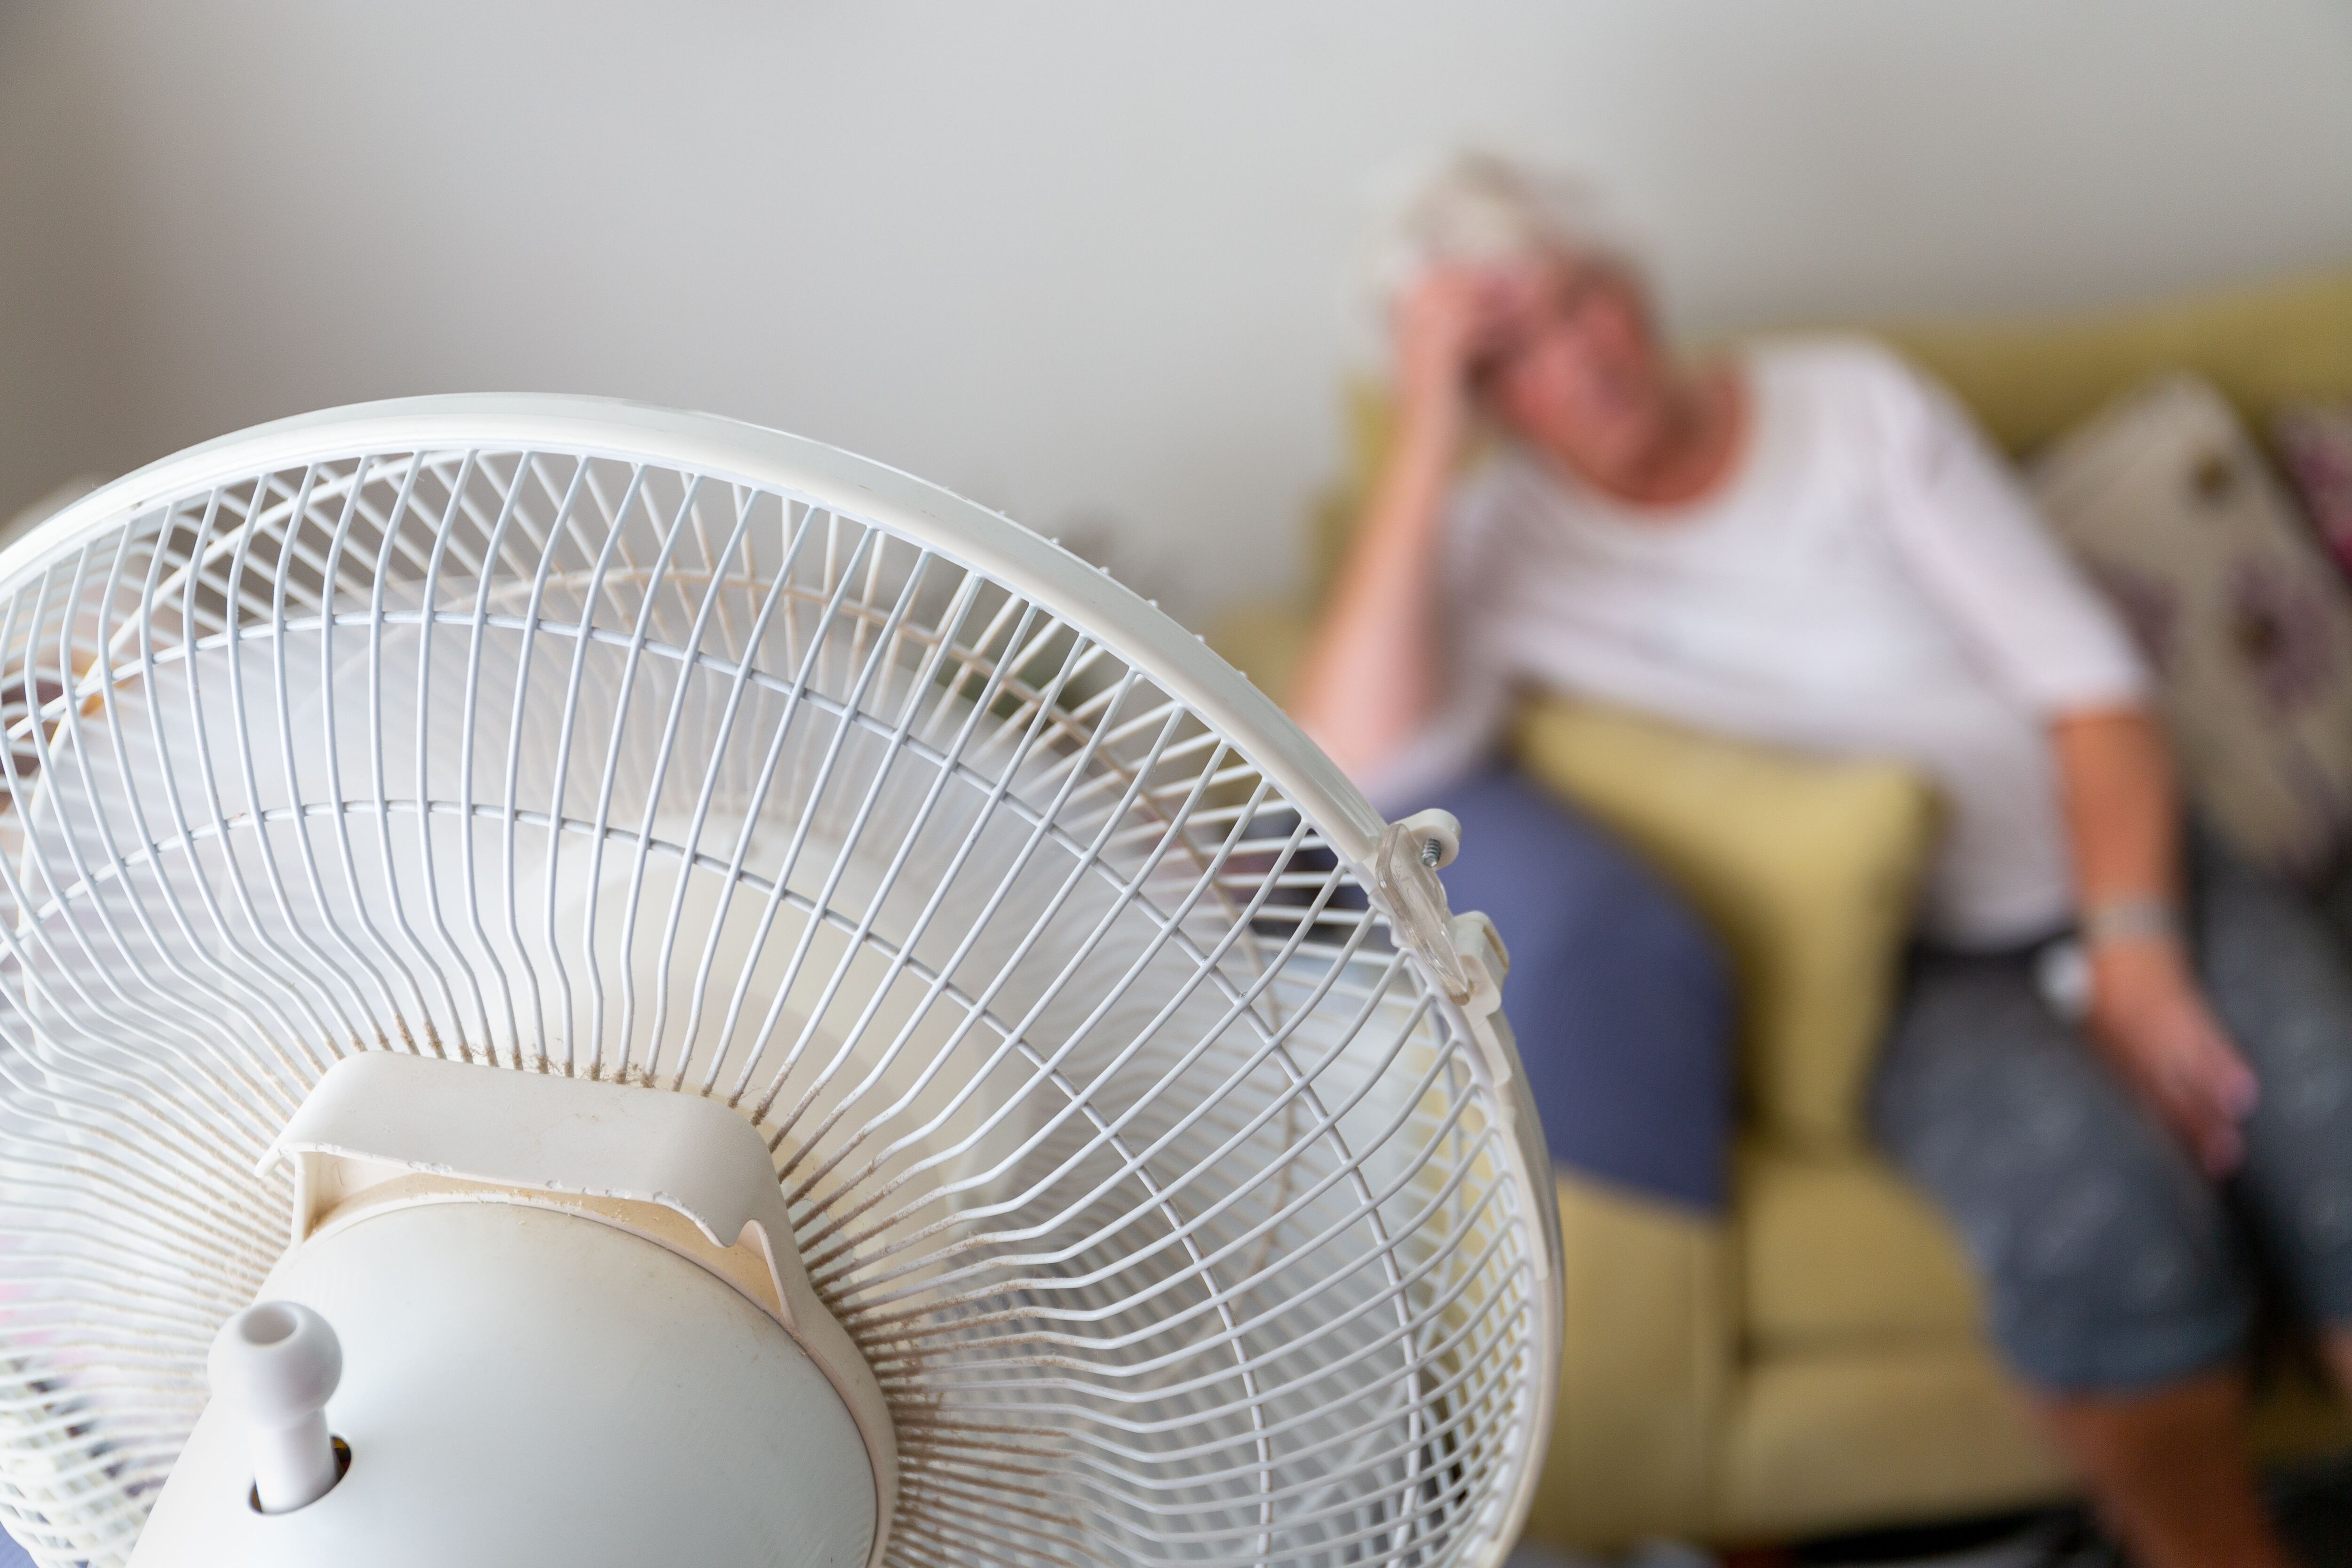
<point x="1141" y="1112"/>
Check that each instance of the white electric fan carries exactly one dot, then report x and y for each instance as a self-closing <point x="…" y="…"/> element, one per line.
<point x="592" y="987"/>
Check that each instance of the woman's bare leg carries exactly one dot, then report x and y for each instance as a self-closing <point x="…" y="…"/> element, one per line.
<point x="2169" y="1473"/>
<point x="2336" y="1344"/>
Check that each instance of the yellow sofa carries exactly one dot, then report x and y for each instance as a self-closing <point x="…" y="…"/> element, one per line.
<point x="1816" y="1361"/>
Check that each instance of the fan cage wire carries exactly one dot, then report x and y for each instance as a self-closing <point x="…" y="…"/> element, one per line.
<point x="1166" y="1196"/>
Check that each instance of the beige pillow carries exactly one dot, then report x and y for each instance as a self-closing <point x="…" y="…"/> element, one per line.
<point x="2243" y="618"/>
<point x="1807" y="869"/>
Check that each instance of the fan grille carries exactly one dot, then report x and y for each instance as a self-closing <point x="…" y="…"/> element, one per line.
<point x="1168" y="1201"/>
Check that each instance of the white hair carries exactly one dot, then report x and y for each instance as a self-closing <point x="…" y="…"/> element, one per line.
<point x="1472" y="206"/>
<point x="1481" y="207"/>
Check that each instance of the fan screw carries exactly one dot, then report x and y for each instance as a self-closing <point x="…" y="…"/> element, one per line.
<point x="1430" y="852"/>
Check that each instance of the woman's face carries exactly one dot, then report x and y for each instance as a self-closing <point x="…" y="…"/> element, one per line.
<point x="1575" y="368"/>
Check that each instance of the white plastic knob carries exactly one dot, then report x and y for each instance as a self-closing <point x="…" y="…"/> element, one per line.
<point x="278" y="1364"/>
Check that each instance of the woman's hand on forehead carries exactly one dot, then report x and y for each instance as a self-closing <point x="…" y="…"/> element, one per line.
<point x="1522" y="288"/>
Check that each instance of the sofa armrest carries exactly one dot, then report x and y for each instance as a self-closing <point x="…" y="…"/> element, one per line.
<point x="1264" y="639"/>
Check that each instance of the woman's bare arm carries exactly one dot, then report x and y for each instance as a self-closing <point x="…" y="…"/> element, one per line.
<point x="2147" y="1011"/>
<point x="2120" y="806"/>
<point x="1374" y="670"/>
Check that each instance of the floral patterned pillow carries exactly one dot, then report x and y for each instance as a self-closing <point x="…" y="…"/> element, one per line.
<point x="2315" y="445"/>
<point x="2245" y="622"/>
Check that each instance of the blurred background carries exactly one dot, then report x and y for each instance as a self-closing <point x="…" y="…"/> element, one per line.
<point x="1086" y="264"/>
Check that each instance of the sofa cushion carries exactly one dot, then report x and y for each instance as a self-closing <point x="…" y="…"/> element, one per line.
<point x="2246" y="624"/>
<point x="1841" y="1251"/>
<point x="1806" y="868"/>
<point x="1876" y="1435"/>
<point x="1880" y="1435"/>
<point x="1645" y="1369"/>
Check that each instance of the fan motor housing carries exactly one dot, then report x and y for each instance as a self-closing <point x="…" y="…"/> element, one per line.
<point x="549" y="1356"/>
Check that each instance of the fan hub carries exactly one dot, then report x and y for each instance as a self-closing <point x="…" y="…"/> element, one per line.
<point x="525" y="1386"/>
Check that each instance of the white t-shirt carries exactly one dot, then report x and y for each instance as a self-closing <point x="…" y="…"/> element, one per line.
<point x="1870" y="582"/>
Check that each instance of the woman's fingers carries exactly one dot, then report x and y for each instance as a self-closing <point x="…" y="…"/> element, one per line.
<point x="1436" y="329"/>
<point x="2204" y="1086"/>
<point x="2210" y="1132"/>
<point x="1446" y="320"/>
<point x="2152" y="1019"/>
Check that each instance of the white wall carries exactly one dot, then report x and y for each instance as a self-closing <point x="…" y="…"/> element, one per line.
<point x="60" y="415"/>
<point x="1077" y="259"/>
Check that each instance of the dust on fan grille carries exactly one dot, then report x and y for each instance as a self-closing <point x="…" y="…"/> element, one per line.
<point x="1153" y="1183"/>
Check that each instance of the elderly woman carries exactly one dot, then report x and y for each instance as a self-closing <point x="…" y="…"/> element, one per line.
<point x="1807" y="543"/>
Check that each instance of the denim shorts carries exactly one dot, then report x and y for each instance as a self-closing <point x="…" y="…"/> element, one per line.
<point x="1623" y="1003"/>
<point x="2111" y="1262"/>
